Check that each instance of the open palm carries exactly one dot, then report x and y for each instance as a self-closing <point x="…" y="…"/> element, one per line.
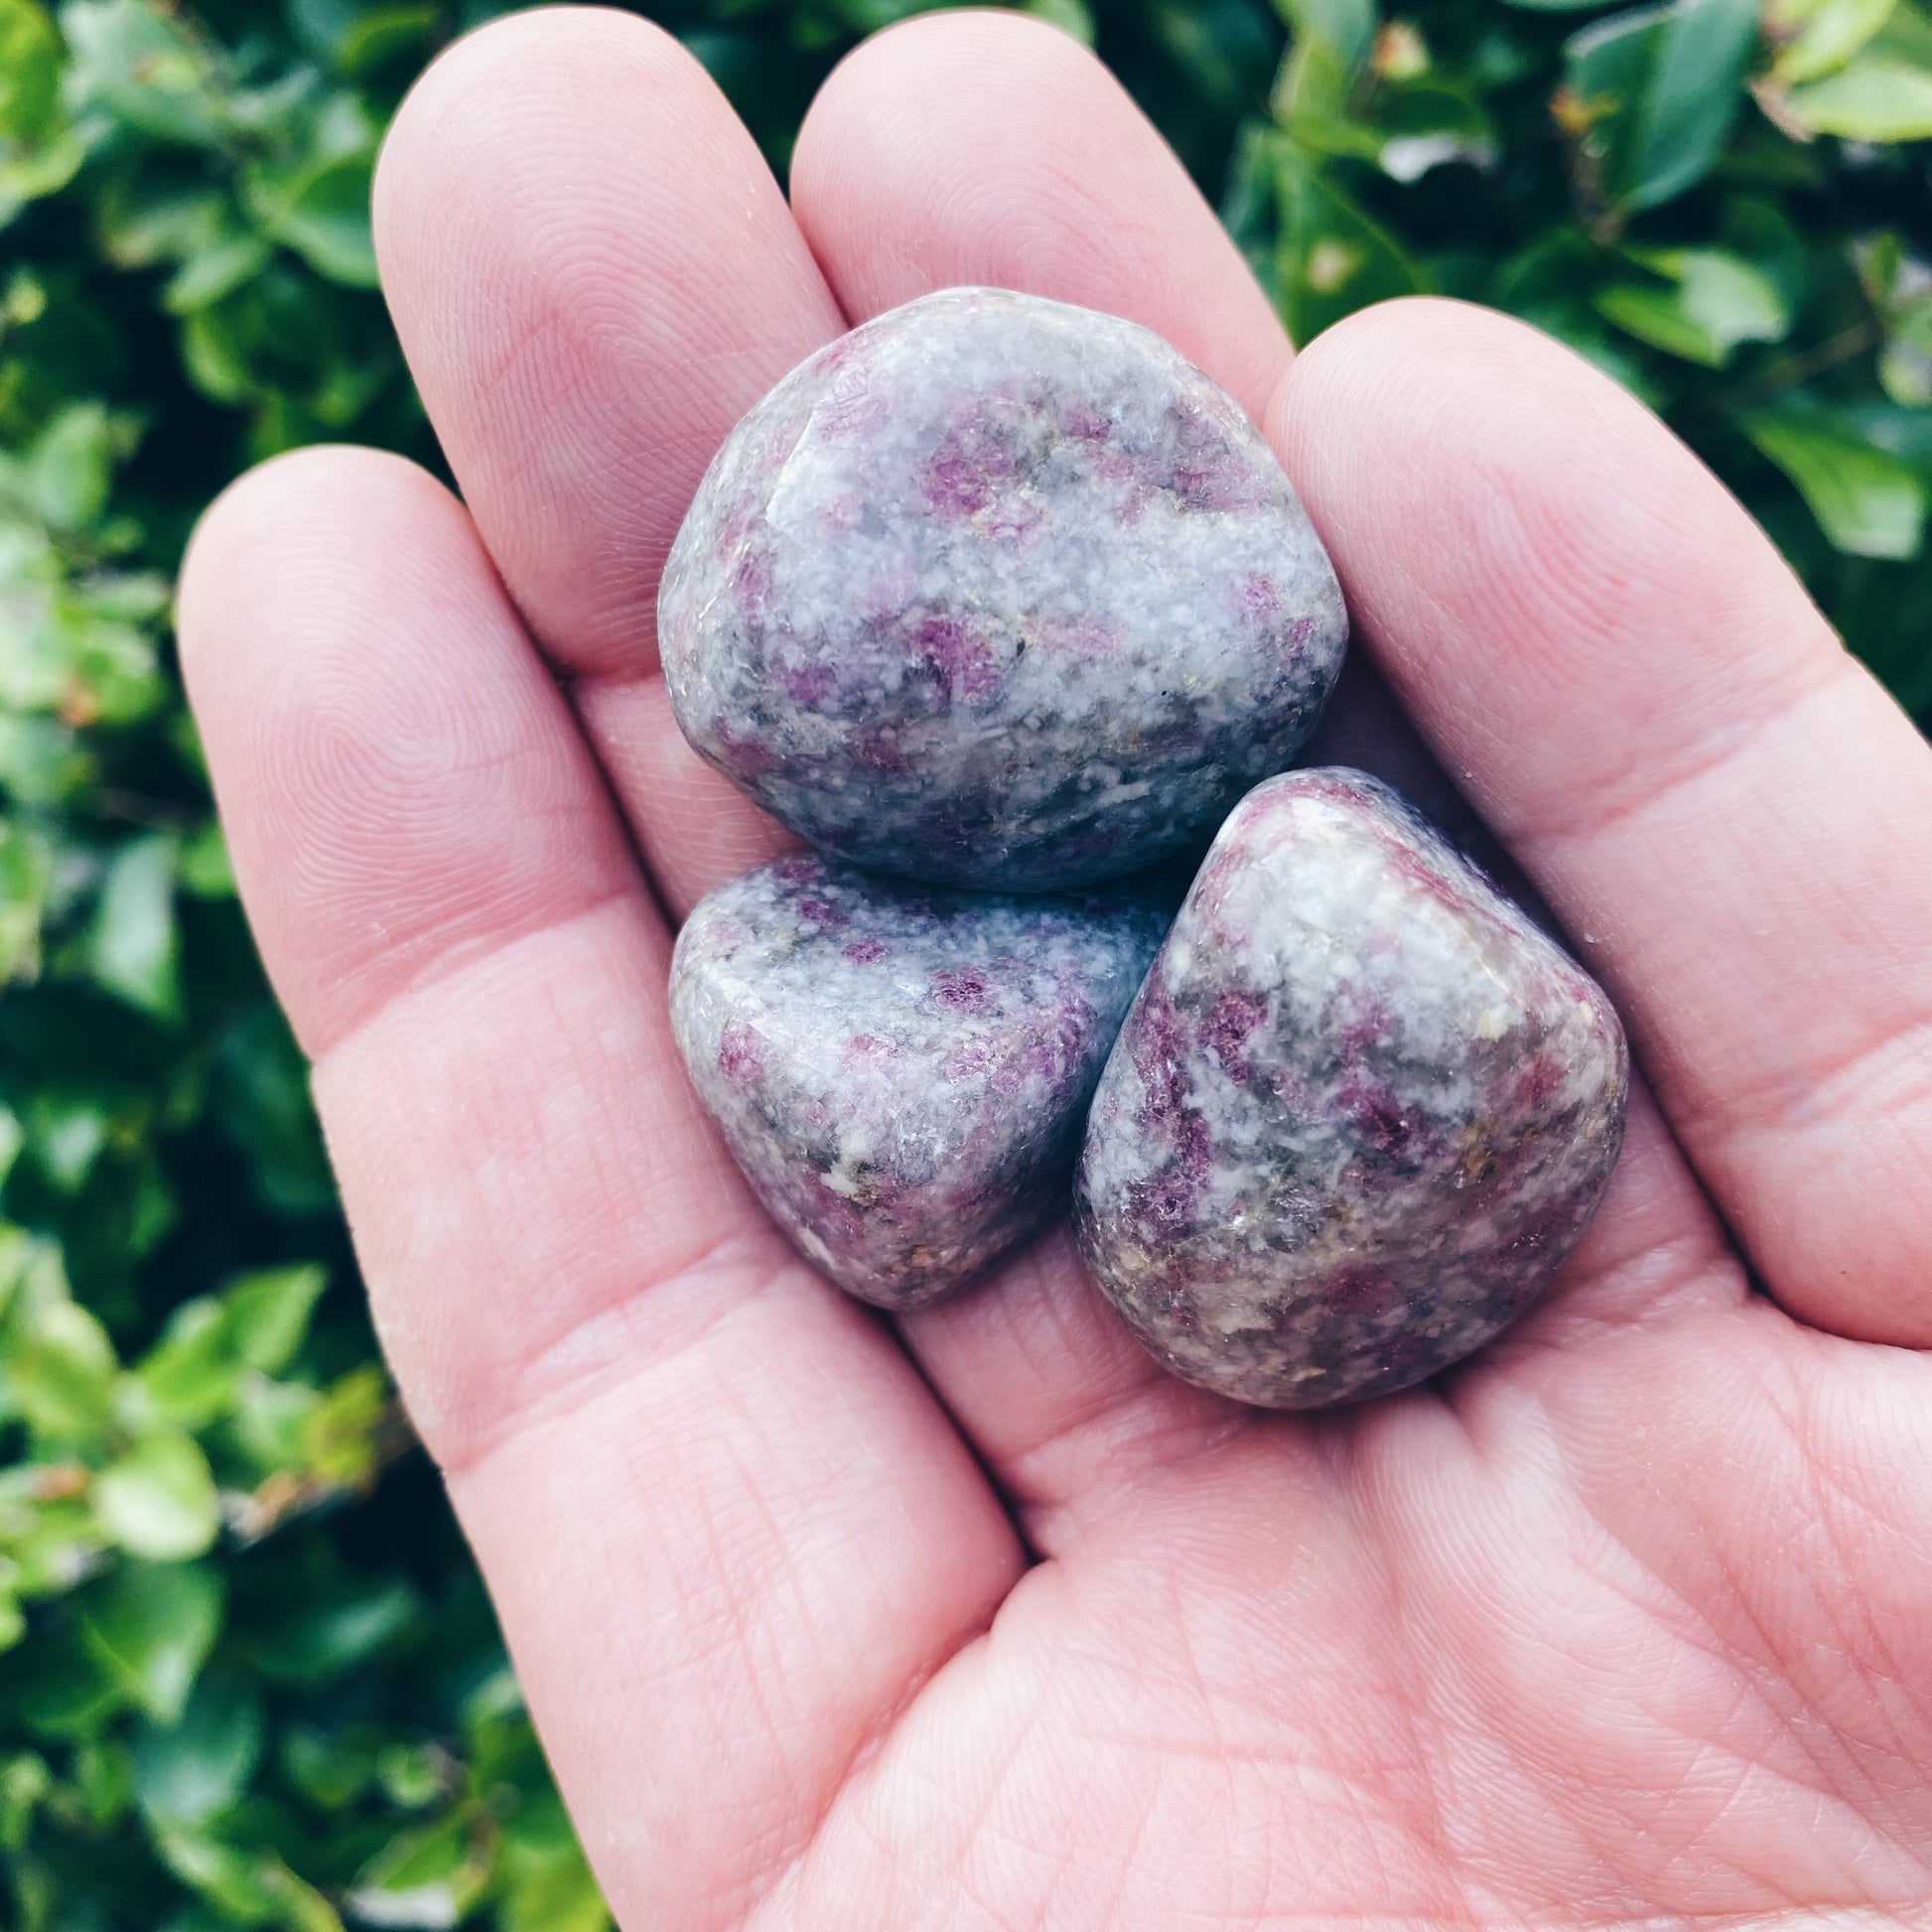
<point x="979" y="1620"/>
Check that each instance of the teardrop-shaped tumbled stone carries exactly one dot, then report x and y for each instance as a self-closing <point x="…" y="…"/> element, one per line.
<point x="999" y="593"/>
<point x="901" y="1074"/>
<point x="1358" y="1115"/>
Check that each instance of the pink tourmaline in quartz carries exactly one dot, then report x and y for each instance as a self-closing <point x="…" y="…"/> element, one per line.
<point x="901" y="1074"/>
<point x="1359" y="1113"/>
<point x="994" y="592"/>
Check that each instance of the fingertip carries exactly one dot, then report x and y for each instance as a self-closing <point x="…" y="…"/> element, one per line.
<point x="981" y="147"/>
<point x="593" y="274"/>
<point x="275" y="518"/>
<point x="486" y="80"/>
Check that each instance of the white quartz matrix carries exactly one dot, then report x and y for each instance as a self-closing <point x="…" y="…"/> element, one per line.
<point x="1001" y="593"/>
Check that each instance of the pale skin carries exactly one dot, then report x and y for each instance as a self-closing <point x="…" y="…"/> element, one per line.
<point x="977" y="1620"/>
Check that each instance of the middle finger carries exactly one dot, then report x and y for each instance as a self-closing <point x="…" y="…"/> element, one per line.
<point x="593" y="275"/>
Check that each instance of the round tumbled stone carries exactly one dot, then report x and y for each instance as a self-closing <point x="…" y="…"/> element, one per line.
<point x="901" y="1074"/>
<point x="1359" y="1113"/>
<point x="998" y="592"/>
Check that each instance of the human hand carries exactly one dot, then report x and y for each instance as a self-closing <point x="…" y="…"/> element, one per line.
<point x="978" y="1619"/>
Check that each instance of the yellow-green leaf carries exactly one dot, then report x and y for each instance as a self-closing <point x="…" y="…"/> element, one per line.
<point x="1869" y="101"/>
<point x="59" y="1373"/>
<point x="29" y="74"/>
<point x="270" y="1310"/>
<point x="159" y="1499"/>
<point x="1719" y="300"/>
<point x="1825" y="36"/>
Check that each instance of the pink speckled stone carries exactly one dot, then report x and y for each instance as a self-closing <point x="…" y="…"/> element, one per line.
<point x="901" y="1073"/>
<point x="999" y="593"/>
<point x="1360" y="1112"/>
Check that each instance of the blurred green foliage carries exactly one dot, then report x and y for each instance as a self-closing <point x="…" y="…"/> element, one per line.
<point x="247" y="1676"/>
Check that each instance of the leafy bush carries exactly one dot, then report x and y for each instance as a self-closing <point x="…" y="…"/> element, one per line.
<point x="251" y="1677"/>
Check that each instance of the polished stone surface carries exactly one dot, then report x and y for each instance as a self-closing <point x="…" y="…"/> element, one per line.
<point x="901" y="1074"/>
<point x="1358" y="1115"/>
<point x="996" y="592"/>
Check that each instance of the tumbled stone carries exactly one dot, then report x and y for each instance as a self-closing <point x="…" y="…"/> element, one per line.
<point x="1361" y="1109"/>
<point x="1000" y="593"/>
<point x="901" y="1073"/>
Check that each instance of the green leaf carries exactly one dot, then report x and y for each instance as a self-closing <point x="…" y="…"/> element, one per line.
<point x="204" y="869"/>
<point x="114" y="674"/>
<point x="269" y="1312"/>
<point x="329" y="1768"/>
<point x="134" y="948"/>
<point x="212" y="349"/>
<point x="62" y="477"/>
<point x="159" y="1500"/>
<point x="262" y="1103"/>
<point x="59" y="1373"/>
<point x="26" y="879"/>
<point x="143" y="69"/>
<point x="430" y="1877"/>
<point x="320" y="1640"/>
<point x="1906" y="36"/>
<point x="190" y="1374"/>
<point x="413" y="1776"/>
<point x="1070" y="16"/>
<point x="340" y="1435"/>
<point x="1332" y="257"/>
<point x="247" y="1886"/>
<point x="38" y="152"/>
<point x="59" y="1543"/>
<point x="1718" y="302"/>
<point x="384" y="35"/>
<point x="271" y="1426"/>
<point x="1426" y="122"/>
<point x="1223" y="48"/>
<point x="70" y="1691"/>
<point x="46" y="171"/>
<point x="25" y="1781"/>
<point x="30" y="74"/>
<point x="324" y="215"/>
<point x="67" y="1135"/>
<point x="547" y="1885"/>
<point x="1311" y="102"/>
<point x="1823" y="34"/>
<point x="214" y="270"/>
<point x="151" y="1626"/>
<point x="194" y="1769"/>
<point x="103" y="1779"/>
<point x="1868" y="502"/>
<point x="1906" y="361"/>
<point x="1347" y="26"/>
<point x="1756" y="229"/>
<point x="1869" y="101"/>
<point x="1659" y="89"/>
